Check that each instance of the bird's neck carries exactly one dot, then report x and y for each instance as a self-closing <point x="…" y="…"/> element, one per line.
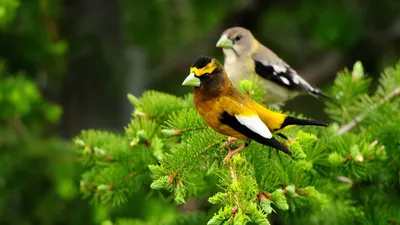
<point x="213" y="89"/>
<point x="205" y="93"/>
<point x="255" y="46"/>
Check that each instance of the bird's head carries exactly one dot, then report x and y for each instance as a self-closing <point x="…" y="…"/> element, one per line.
<point x="236" y="39"/>
<point x="206" y="73"/>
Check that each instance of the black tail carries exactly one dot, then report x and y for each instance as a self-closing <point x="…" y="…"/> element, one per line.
<point x="296" y="121"/>
<point x="236" y="125"/>
<point x="318" y="93"/>
<point x="325" y="96"/>
<point x="275" y="144"/>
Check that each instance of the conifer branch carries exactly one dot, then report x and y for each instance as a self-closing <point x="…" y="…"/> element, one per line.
<point x="179" y="132"/>
<point x="204" y="150"/>
<point x="194" y="129"/>
<point x="235" y="195"/>
<point x="99" y="152"/>
<point x="251" y="187"/>
<point x="347" y="127"/>
<point x="90" y="188"/>
<point x="133" y="174"/>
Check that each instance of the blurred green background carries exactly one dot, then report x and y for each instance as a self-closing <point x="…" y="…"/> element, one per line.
<point x="67" y="65"/>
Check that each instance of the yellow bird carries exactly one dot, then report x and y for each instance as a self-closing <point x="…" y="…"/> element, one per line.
<point x="246" y="57"/>
<point x="229" y="112"/>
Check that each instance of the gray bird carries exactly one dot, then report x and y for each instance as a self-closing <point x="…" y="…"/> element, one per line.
<point x="245" y="58"/>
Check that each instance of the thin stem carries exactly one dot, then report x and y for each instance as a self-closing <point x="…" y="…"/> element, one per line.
<point x="132" y="175"/>
<point x="347" y="127"/>
<point x="194" y="129"/>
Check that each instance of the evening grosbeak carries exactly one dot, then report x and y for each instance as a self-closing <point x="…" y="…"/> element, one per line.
<point x="246" y="57"/>
<point x="226" y="110"/>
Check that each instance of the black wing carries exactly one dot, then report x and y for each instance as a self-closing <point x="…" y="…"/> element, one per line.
<point x="236" y="125"/>
<point x="286" y="77"/>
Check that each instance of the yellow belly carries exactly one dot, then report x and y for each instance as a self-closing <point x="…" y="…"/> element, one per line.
<point x="210" y="112"/>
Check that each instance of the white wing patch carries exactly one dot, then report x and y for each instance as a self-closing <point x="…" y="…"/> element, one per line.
<point x="278" y="68"/>
<point x="255" y="124"/>
<point x="290" y="78"/>
<point x="285" y="80"/>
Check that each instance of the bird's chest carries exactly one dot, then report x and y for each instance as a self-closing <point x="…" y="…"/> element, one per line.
<point x="211" y="112"/>
<point x="238" y="69"/>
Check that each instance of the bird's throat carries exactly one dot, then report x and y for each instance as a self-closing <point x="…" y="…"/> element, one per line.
<point x="230" y="53"/>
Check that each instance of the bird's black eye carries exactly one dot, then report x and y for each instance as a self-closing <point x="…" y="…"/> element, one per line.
<point x="238" y="37"/>
<point x="206" y="75"/>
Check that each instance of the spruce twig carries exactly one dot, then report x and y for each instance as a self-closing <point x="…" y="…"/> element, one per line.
<point x="133" y="174"/>
<point x="347" y="127"/>
<point x="202" y="151"/>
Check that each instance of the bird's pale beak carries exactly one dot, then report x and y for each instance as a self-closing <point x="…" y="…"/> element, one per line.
<point x="224" y="42"/>
<point x="191" y="80"/>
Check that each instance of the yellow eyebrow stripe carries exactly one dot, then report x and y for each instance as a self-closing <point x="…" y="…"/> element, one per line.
<point x="209" y="68"/>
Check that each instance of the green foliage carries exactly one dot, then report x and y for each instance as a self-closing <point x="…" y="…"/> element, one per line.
<point x="167" y="154"/>
<point x="21" y="101"/>
<point x="167" y="146"/>
<point x="253" y="89"/>
<point x="37" y="171"/>
<point x="7" y="11"/>
<point x="336" y="24"/>
<point x="31" y="28"/>
<point x="118" y="165"/>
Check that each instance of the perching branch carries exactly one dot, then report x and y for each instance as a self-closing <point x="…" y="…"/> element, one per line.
<point x="347" y="127"/>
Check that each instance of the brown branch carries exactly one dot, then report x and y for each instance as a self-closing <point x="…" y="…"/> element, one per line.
<point x="347" y="127"/>
<point x="235" y="195"/>
<point x="129" y="176"/>
<point x="179" y="132"/>
<point x="195" y="129"/>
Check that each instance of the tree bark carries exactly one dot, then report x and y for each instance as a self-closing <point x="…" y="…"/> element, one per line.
<point x="93" y="90"/>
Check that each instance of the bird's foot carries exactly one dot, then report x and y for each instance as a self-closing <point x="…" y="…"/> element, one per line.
<point x="231" y="141"/>
<point x="232" y="153"/>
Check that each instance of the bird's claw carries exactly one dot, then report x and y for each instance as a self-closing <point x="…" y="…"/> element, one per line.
<point x="227" y="158"/>
<point x="231" y="141"/>
<point x="232" y="153"/>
